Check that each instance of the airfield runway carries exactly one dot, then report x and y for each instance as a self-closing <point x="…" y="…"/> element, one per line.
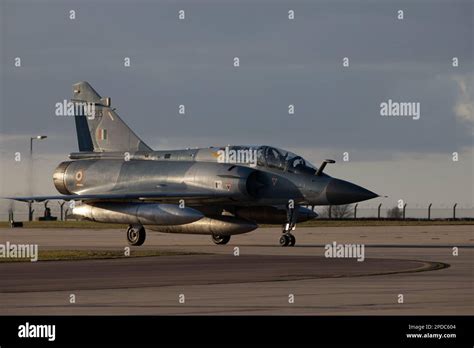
<point x="414" y="261"/>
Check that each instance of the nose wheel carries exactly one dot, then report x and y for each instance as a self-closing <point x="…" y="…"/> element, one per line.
<point x="287" y="239"/>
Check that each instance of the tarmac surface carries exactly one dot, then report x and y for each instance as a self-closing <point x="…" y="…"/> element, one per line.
<point x="416" y="262"/>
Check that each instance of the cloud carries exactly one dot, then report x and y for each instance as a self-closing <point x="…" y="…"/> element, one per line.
<point x="464" y="106"/>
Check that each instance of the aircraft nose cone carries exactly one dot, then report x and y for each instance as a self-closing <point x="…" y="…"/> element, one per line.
<point x="344" y="192"/>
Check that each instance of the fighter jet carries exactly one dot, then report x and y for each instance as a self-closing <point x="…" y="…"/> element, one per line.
<point x="218" y="191"/>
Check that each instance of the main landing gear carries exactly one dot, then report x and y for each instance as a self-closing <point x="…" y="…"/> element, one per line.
<point x="220" y="240"/>
<point x="136" y="235"/>
<point x="287" y="239"/>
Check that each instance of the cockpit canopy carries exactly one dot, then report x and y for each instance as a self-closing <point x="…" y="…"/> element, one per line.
<point x="283" y="160"/>
<point x="265" y="156"/>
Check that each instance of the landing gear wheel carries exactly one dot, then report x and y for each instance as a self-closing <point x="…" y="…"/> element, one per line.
<point x="136" y="235"/>
<point x="292" y="240"/>
<point x="220" y="240"/>
<point x="284" y="240"/>
<point x="287" y="239"/>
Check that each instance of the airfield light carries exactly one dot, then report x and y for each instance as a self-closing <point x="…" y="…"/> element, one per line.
<point x="39" y="137"/>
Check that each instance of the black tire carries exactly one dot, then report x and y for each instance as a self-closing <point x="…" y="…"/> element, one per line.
<point x="220" y="240"/>
<point x="284" y="240"/>
<point x="136" y="235"/>
<point x="292" y="240"/>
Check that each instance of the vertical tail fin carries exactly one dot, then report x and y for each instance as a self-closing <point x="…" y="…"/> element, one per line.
<point x="102" y="130"/>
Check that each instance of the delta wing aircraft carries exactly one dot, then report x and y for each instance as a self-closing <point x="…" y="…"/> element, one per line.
<point x="218" y="191"/>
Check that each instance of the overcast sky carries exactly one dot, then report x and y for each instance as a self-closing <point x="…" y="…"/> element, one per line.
<point x="282" y="62"/>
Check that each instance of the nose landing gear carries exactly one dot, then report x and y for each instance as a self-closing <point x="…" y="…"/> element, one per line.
<point x="287" y="239"/>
